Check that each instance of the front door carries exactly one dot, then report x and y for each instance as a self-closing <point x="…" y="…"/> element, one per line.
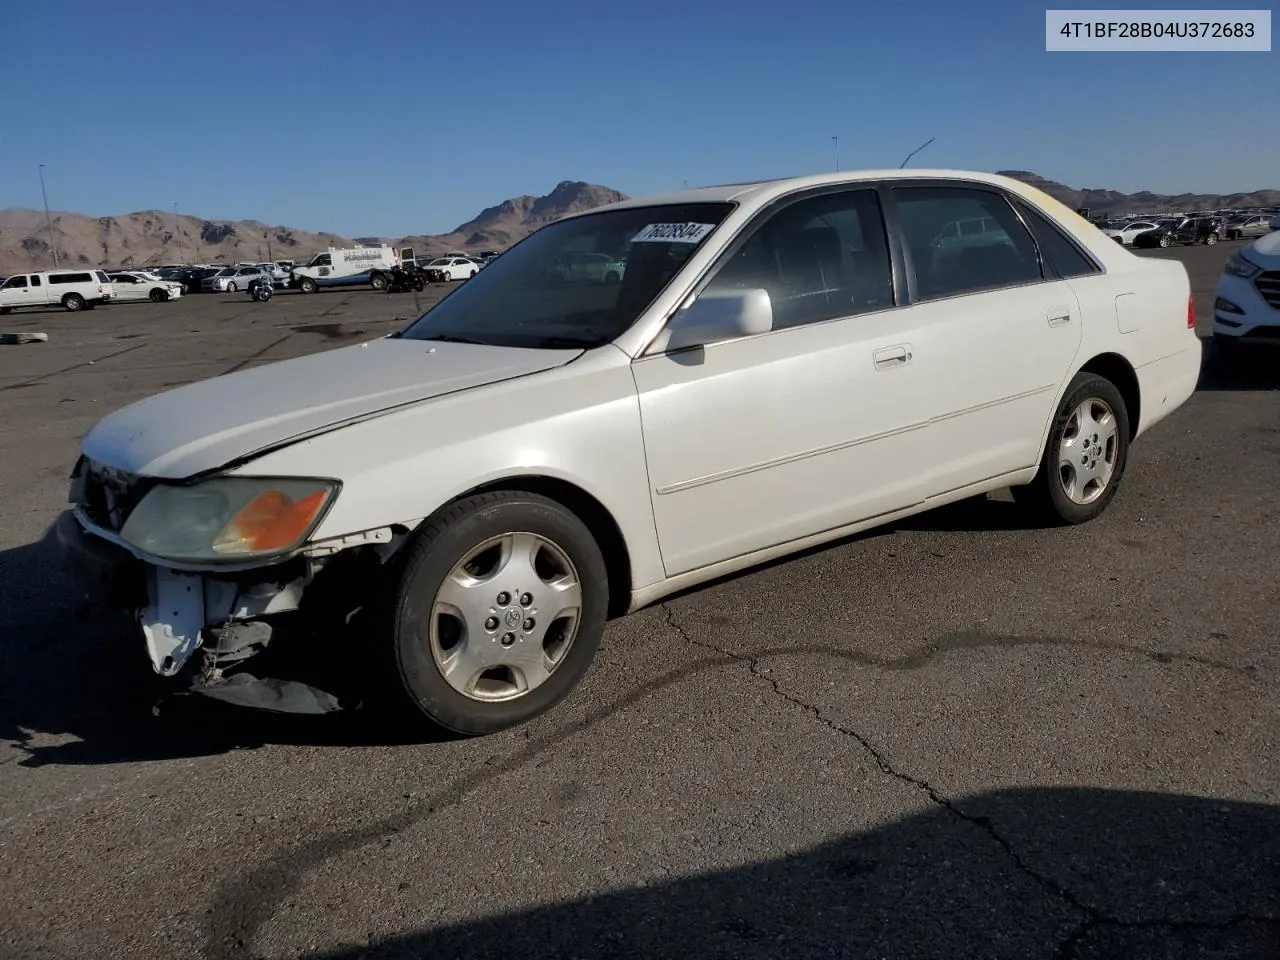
<point x="816" y="424"/>
<point x="17" y="291"/>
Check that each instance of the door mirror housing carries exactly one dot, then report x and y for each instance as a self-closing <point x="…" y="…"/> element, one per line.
<point x="719" y="315"/>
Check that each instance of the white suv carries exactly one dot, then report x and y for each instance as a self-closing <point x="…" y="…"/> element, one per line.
<point x="1246" y="308"/>
<point x="73" y="289"/>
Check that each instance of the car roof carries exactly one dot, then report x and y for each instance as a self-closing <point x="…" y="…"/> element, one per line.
<point x="760" y="192"/>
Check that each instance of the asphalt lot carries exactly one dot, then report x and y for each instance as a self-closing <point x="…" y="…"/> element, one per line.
<point x="950" y="738"/>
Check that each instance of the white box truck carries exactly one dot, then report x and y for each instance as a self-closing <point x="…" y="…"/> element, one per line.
<point x="348" y="266"/>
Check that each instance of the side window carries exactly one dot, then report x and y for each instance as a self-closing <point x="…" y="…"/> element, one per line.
<point x="820" y="258"/>
<point x="1003" y="255"/>
<point x="35" y="280"/>
<point x="14" y="283"/>
<point x="1066" y="259"/>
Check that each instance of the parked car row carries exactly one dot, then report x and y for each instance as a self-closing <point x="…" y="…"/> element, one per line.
<point x="1198" y="228"/>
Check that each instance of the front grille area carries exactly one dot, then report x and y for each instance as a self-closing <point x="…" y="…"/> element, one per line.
<point x="106" y="495"/>
<point x="1268" y="284"/>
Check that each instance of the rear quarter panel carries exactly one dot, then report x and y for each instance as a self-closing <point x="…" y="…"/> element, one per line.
<point x="1136" y="309"/>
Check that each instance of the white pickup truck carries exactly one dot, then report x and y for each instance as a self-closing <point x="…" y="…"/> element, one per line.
<point x="339" y="266"/>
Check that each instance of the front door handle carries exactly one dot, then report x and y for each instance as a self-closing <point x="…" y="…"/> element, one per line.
<point x="1058" y="316"/>
<point x="888" y="357"/>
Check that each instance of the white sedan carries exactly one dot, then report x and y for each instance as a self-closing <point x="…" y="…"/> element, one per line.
<point x="468" y="500"/>
<point x="138" y="285"/>
<point x="445" y="269"/>
<point x="1124" y="235"/>
<point x="231" y="279"/>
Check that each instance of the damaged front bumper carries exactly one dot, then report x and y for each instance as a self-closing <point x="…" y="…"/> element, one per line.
<point x="229" y="617"/>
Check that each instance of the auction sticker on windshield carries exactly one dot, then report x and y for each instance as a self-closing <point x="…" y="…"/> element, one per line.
<point x="673" y="233"/>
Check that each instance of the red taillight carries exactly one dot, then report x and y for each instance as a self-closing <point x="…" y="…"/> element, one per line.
<point x="1191" y="313"/>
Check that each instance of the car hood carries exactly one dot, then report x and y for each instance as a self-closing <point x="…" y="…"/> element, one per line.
<point x="208" y="424"/>
<point x="1265" y="251"/>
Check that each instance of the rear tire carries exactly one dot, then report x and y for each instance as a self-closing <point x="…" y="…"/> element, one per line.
<point x="1210" y="240"/>
<point x="378" y="281"/>
<point x="482" y="695"/>
<point x="73" y="302"/>
<point x="1084" y="458"/>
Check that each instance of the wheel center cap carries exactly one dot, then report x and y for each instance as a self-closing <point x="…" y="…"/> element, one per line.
<point x="513" y="617"/>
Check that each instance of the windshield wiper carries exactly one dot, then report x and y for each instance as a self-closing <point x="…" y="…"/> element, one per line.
<point x="566" y="343"/>
<point x="454" y="338"/>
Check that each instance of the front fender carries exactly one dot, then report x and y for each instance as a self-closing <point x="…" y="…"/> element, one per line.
<point x="579" y="423"/>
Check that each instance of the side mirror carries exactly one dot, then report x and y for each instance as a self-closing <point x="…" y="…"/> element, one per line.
<point x="719" y="315"/>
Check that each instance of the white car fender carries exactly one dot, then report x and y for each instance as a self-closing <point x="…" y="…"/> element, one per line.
<point x="579" y="423"/>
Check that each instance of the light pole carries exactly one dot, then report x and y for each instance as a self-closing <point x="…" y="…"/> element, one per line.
<point x="177" y="232"/>
<point x="48" y="219"/>
<point x="915" y="151"/>
<point x="835" y="142"/>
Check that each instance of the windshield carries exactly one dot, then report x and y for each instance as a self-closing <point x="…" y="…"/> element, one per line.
<point x="577" y="282"/>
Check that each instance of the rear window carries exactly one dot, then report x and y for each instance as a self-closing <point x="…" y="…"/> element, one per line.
<point x="71" y="278"/>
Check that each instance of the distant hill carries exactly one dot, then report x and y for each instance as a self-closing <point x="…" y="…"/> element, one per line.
<point x="152" y="237"/>
<point x="496" y="228"/>
<point x="1110" y="202"/>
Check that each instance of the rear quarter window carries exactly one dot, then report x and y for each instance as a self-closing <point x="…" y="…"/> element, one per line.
<point x="71" y="278"/>
<point x="1065" y="258"/>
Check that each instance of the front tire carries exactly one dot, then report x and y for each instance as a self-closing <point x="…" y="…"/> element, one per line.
<point x="158" y="296"/>
<point x="1210" y="240"/>
<point x="232" y="288"/>
<point x="497" y="613"/>
<point x="307" y="285"/>
<point x="1164" y="241"/>
<point x="1085" y="456"/>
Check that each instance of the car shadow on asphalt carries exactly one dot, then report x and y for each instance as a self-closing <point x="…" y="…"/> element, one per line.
<point x="77" y="688"/>
<point x="1239" y="370"/>
<point x="1038" y="872"/>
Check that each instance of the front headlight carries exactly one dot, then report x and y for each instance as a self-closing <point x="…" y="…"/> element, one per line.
<point x="1238" y="266"/>
<point x="228" y="518"/>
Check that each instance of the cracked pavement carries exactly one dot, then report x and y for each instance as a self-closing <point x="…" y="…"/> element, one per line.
<point x="949" y="738"/>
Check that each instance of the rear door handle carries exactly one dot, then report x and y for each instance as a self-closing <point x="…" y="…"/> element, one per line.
<point x="888" y="357"/>
<point x="1058" y="316"/>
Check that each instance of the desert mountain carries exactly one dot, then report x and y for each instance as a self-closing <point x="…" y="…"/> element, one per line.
<point x="498" y="227"/>
<point x="152" y="236"/>
<point x="1112" y="203"/>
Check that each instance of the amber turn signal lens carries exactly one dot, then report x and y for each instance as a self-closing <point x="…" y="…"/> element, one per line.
<point x="270" y="521"/>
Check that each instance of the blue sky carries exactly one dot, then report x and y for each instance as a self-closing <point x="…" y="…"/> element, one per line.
<point x="374" y="125"/>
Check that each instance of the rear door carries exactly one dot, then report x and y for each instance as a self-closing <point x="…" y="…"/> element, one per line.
<point x="39" y="289"/>
<point x="1002" y="331"/>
